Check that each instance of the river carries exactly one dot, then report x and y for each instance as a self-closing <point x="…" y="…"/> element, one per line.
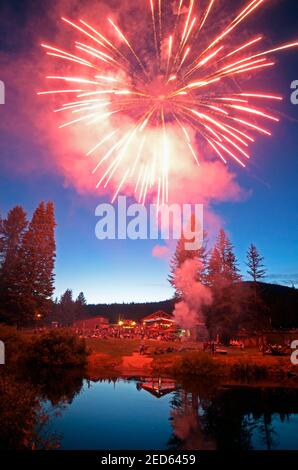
<point x="161" y="414"/>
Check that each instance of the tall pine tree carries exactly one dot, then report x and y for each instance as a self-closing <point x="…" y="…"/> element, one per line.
<point x="67" y="308"/>
<point x="38" y="256"/>
<point x="223" y="277"/>
<point x="222" y="263"/>
<point x="256" y="268"/>
<point x="214" y="267"/>
<point x="257" y="312"/>
<point x="80" y="306"/>
<point x="12" y="230"/>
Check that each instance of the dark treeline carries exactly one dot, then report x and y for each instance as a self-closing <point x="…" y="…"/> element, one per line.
<point x="133" y="311"/>
<point x="282" y="304"/>
<point x="66" y="310"/>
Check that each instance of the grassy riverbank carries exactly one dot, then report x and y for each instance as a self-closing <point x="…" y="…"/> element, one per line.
<point x="114" y="357"/>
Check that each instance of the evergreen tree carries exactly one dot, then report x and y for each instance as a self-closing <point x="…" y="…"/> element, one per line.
<point x="38" y="256"/>
<point x="67" y="308"/>
<point x="214" y="267"/>
<point x="229" y="268"/>
<point x="255" y="264"/>
<point x="81" y="299"/>
<point x="80" y="305"/>
<point x="12" y="230"/>
<point x="256" y="309"/>
<point x="223" y="277"/>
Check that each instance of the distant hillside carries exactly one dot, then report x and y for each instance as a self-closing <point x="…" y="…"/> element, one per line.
<point x="133" y="311"/>
<point x="282" y="303"/>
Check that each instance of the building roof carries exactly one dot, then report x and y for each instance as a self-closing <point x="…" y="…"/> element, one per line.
<point x="158" y="316"/>
<point x="91" y="322"/>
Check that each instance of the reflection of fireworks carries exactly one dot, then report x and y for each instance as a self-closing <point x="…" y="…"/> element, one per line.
<point x="168" y="89"/>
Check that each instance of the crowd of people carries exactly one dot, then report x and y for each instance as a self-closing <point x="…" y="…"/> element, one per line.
<point x="139" y="332"/>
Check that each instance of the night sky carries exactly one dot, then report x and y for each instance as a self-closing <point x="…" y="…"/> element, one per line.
<point x="266" y="213"/>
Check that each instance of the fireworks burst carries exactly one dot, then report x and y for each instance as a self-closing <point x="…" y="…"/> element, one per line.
<point x="172" y="88"/>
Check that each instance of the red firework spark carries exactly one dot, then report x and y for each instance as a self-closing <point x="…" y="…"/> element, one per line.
<point x="182" y="88"/>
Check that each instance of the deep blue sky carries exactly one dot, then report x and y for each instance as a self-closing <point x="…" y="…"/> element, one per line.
<point x="126" y="270"/>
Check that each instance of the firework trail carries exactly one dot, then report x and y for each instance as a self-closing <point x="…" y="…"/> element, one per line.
<point x="151" y="97"/>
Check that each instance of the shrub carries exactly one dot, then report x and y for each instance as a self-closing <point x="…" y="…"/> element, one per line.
<point x="15" y="344"/>
<point x="195" y="363"/>
<point x="56" y="348"/>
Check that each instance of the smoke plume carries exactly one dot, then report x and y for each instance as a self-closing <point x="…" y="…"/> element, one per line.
<point x="188" y="312"/>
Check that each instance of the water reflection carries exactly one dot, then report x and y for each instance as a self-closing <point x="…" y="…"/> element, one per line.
<point x="188" y="423"/>
<point x="158" y="413"/>
<point x="29" y="404"/>
<point x="58" y="386"/>
<point x="55" y="389"/>
<point x="208" y="416"/>
<point x="250" y="418"/>
<point x="158" y="387"/>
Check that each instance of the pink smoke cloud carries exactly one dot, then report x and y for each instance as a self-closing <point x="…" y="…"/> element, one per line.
<point x="160" y="251"/>
<point x="188" y="312"/>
